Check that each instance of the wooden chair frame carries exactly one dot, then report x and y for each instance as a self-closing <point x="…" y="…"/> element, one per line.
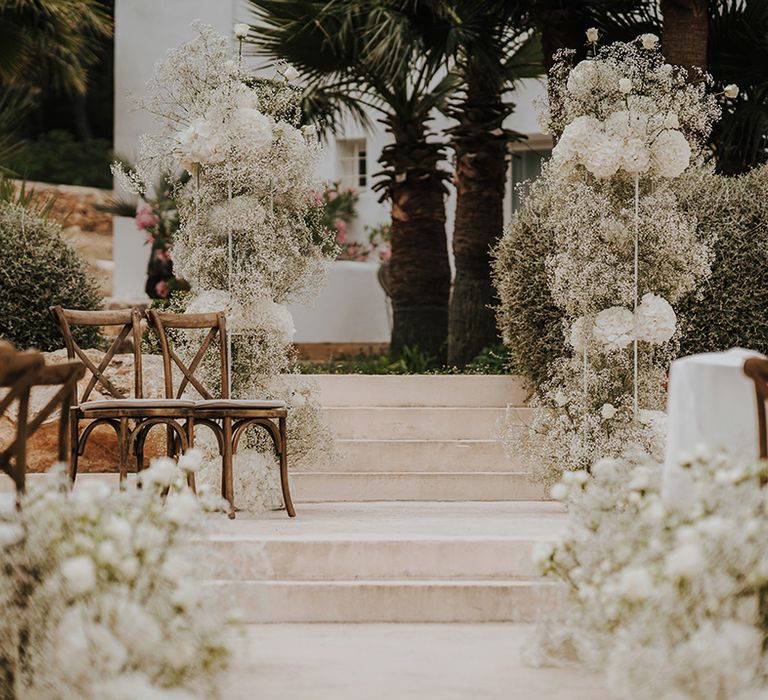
<point x="756" y="368"/>
<point x="228" y="423"/>
<point x="131" y="420"/>
<point x="20" y="372"/>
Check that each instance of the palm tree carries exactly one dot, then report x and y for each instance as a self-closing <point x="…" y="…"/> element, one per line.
<point x="50" y="42"/>
<point x="495" y="48"/>
<point x="686" y="28"/>
<point x="345" y="46"/>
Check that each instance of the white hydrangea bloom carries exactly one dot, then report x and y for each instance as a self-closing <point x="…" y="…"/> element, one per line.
<point x="655" y="319"/>
<point x="614" y="328"/>
<point x="79" y="574"/>
<point x="670" y="153"/>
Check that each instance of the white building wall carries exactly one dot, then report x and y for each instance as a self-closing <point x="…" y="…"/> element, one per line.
<point x="144" y="32"/>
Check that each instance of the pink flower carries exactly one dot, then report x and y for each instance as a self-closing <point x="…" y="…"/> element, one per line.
<point x="385" y="254"/>
<point x="341" y="230"/>
<point x="162" y="290"/>
<point x="145" y="218"/>
<point x="318" y="197"/>
<point x="163" y="253"/>
<point x="332" y="194"/>
<point x="353" y="190"/>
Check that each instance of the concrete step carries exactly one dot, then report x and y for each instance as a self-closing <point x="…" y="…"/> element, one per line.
<point x="328" y="559"/>
<point x="315" y="487"/>
<point x="384" y="600"/>
<point x="422" y="390"/>
<point x="422" y="456"/>
<point x="375" y="423"/>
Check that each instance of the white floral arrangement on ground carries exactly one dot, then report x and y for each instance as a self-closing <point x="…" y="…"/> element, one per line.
<point x="250" y="237"/>
<point x="101" y="596"/>
<point x="627" y="123"/>
<point x="666" y="601"/>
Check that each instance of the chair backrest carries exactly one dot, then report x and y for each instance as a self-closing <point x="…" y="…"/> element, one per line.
<point x="216" y="324"/>
<point x="129" y="321"/>
<point x="756" y="368"/>
<point x="19" y="373"/>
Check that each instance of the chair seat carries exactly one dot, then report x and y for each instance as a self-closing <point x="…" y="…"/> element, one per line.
<point x="213" y="404"/>
<point x="115" y="404"/>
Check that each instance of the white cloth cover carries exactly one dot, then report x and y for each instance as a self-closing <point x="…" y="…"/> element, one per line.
<point x="711" y="403"/>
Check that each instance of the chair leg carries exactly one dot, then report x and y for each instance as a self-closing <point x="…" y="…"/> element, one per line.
<point x="123" y="450"/>
<point x="284" y="469"/>
<point x="190" y="427"/>
<point x="227" y="474"/>
<point x="74" y="444"/>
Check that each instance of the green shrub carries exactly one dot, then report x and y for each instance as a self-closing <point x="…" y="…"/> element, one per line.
<point x="528" y="320"/>
<point x="57" y="156"/>
<point x="731" y="309"/>
<point x="39" y="269"/>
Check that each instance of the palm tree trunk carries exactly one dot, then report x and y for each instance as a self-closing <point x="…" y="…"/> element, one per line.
<point x="480" y="179"/>
<point x="420" y="276"/>
<point x="685" y="32"/>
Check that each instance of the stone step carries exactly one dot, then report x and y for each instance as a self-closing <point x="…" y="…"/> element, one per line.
<point x="316" y="487"/>
<point x="422" y="456"/>
<point x="327" y="559"/>
<point x="421" y="390"/>
<point x="384" y="600"/>
<point x="376" y="423"/>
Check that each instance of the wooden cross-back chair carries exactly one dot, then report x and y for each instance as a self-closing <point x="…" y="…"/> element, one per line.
<point x="228" y="418"/>
<point x="756" y="368"/>
<point x="19" y="373"/>
<point x="131" y="417"/>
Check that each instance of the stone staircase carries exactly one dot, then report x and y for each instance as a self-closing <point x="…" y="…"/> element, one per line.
<point x="418" y="438"/>
<point x="422" y="517"/>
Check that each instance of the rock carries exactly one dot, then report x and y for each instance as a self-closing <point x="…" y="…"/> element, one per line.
<point x="101" y="454"/>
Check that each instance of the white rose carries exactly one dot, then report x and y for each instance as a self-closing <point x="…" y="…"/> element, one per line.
<point x="162" y="471"/>
<point x="107" y="553"/>
<point x="655" y="320"/>
<point x="614" y="328"/>
<point x="309" y="130"/>
<point x="119" y="529"/>
<point x="605" y="468"/>
<point x="593" y="35"/>
<point x="635" y="584"/>
<point x="608" y="411"/>
<point x="649" y="41"/>
<point x="191" y="460"/>
<point x="670" y="153"/>
<point x="79" y="574"/>
<point x="128" y="568"/>
<point x="578" y="477"/>
<point x="181" y="508"/>
<point x="731" y="91"/>
<point x="290" y="73"/>
<point x="241" y="30"/>
<point x="559" y="492"/>
<point x="671" y="121"/>
<point x="686" y="561"/>
<point x="542" y="554"/>
<point x="625" y="85"/>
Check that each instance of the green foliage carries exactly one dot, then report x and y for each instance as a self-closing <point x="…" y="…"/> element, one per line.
<point x="493" y="360"/>
<point x="59" y="157"/>
<point x="730" y="309"/>
<point x="528" y="320"/>
<point x="39" y="269"/>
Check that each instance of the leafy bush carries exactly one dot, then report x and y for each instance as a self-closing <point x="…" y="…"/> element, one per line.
<point x="57" y="156"/>
<point x="728" y="310"/>
<point x="528" y="320"/>
<point x="39" y="269"/>
<point x="731" y="309"/>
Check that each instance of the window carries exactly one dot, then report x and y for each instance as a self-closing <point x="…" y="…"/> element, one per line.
<point x="526" y="165"/>
<point x="353" y="163"/>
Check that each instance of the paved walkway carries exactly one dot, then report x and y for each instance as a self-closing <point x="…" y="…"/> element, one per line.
<point x="398" y="662"/>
